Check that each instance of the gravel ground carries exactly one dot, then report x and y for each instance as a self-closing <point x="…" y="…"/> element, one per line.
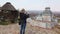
<point x="14" y="29"/>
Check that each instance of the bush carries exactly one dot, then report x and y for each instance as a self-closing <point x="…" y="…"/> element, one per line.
<point x="4" y="23"/>
<point x="59" y="21"/>
<point x="7" y="21"/>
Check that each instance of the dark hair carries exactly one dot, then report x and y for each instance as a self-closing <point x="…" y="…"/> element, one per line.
<point x="23" y="10"/>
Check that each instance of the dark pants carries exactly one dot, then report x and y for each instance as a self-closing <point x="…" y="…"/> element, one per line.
<point x="23" y="26"/>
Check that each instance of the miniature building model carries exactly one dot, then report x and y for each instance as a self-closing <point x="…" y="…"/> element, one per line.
<point x="45" y="20"/>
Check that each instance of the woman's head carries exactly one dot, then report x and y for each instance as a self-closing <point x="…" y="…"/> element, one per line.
<point x="23" y="11"/>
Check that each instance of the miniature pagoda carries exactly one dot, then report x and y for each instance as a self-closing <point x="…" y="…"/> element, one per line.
<point x="45" y="19"/>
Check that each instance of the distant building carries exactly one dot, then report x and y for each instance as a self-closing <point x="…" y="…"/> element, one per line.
<point x="45" y="19"/>
<point x="8" y="12"/>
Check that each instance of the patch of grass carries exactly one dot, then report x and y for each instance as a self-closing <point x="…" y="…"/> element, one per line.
<point x="4" y="23"/>
<point x="59" y="21"/>
<point x="8" y="21"/>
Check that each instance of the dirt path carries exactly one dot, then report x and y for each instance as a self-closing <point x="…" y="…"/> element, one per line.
<point x="14" y="29"/>
<point x="9" y="29"/>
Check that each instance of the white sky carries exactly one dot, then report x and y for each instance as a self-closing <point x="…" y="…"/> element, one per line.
<point x="34" y="4"/>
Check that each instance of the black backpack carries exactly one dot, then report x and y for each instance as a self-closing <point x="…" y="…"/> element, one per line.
<point x="19" y="22"/>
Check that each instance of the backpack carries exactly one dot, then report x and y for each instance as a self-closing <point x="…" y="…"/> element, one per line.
<point x="19" y="22"/>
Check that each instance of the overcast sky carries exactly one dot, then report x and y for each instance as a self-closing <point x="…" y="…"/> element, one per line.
<point x="34" y="4"/>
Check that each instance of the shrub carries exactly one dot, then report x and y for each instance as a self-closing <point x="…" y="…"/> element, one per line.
<point x="4" y="23"/>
